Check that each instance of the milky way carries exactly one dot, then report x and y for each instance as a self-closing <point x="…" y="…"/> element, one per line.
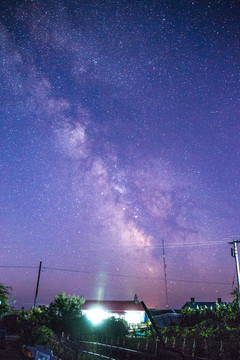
<point x="119" y="129"/>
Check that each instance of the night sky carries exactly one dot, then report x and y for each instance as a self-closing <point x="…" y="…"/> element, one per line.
<point x="119" y="128"/>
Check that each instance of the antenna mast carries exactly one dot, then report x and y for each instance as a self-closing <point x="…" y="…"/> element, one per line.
<point x="165" y="273"/>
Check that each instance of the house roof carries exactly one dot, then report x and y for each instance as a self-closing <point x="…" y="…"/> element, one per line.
<point x="164" y="320"/>
<point x="202" y="304"/>
<point x="112" y="305"/>
<point x="155" y="312"/>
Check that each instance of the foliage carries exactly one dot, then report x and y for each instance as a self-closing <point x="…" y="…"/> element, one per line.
<point x="65" y="312"/>
<point x="5" y="293"/>
<point x="81" y="327"/>
<point x="234" y="294"/>
<point x="220" y="323"/>
<point x="38" y="336"/>
<point x="62" y="315"/>
<point x="111" y="328"/>
<point x="35" y="317"/>
<point x="44" y="335"/>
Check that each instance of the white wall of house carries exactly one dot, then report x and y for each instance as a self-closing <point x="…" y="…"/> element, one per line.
<point x="98" y="315"/>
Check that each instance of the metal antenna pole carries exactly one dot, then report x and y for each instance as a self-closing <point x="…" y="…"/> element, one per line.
<point x="165" y="273"/>
<point x="234" y="253"/>
<point x="36" y="293"/>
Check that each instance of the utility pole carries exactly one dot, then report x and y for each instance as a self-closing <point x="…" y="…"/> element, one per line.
<point x="234" y="253"/>
<point x="36" y="293"/>
<point x="165" y="273"/>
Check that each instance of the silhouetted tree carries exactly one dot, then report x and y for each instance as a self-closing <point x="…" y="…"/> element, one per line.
<point x="5" y="294"/>
<point x="65" y="313"/>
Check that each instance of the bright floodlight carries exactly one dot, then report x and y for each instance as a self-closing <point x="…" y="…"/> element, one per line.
<point x="96" y="316"/>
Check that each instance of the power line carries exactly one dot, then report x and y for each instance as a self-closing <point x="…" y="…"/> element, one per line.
<point x="138" y="277"/>
<point x="201" y="282"/>
<point x="115" y="275"/>
<point x="193" y="244"/>
<point x="150" y="246"/>
<point x="18" y="266"/>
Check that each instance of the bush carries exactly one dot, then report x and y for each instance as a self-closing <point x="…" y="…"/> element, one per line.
<point x="62" y="315"/>
<point x="111" y="328"/>
<point x="221" y="323"/>
<point x="5" y="293"/>
<point x="43" y="336"/>
<point x="38" y="336"/>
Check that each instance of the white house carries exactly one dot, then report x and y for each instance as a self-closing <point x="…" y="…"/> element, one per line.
<point x="129" y="310"/>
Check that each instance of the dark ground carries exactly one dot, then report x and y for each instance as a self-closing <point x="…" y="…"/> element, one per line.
<point x="12" y="350"/>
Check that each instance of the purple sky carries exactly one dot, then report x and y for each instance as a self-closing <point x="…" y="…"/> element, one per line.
<point x="119" y="128"/>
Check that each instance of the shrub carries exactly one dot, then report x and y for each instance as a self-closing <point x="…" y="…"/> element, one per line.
<point x="112" y="328"/>
<point x="43" y="336"/>
<point x="62" y="315"/>
<point x="38" y="336"/>
<point x="5" y="293"/>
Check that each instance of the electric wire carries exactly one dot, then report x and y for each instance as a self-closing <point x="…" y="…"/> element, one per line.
<point x="155" y="245"/>
<point x="19" y="266"/>
<point x="140" y="277"/>
<point x="116" y="275"/>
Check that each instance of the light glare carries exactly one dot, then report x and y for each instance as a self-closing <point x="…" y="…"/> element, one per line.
<point x="133" y="317"/>
<point x="96" y="316"/>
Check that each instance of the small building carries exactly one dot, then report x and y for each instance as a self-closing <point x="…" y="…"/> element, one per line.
<point x="167" y="319"/>
<point x="129" y="310"/>
<point x="192" y="304"/>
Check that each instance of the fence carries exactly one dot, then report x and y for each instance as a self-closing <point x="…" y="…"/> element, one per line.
<point x="196" y="347"/>
<point x="115" y="349"/>
<point x="143" y="348"/>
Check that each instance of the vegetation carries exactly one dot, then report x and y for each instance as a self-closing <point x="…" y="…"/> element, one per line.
<point x="111" y="328"/>
<point x="220" y="324"/>
<point x="40" y="336"/>
<point x="64" y="314"/>
<point x="5" y="294"/>
<point x="218" y="327"/>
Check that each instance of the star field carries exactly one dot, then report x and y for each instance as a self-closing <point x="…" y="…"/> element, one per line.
<point x="119" y="128"/>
